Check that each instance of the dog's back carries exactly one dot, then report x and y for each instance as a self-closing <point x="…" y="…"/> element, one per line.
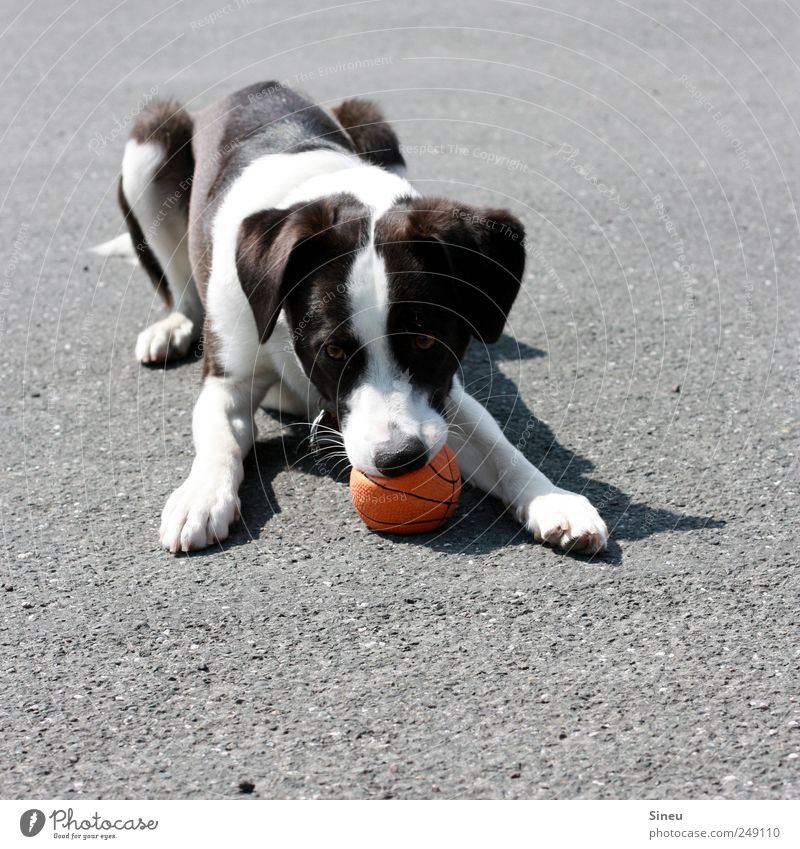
<point x="255" y="121"/>
<point x="269" y="117"/>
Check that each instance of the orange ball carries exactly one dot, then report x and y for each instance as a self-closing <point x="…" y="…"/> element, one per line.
<point x="421" y="501"/>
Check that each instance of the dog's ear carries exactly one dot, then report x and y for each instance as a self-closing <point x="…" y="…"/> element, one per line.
<point x="484" y="253"/>
<point x="277" y="249"/>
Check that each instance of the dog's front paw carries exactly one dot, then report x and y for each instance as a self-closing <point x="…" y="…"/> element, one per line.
<point x="168" y="339"/>
<point x="198" y="514"/>
<point x="566" y="520"/>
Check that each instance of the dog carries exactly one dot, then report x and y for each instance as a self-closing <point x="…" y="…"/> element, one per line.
<point x="287" y="235"/>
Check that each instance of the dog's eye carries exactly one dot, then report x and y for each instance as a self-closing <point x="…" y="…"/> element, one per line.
<point x="423" y="342"/>
<point x="336" y="353"/>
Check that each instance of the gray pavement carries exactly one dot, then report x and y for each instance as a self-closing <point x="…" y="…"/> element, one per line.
<point x="651" y="362"/>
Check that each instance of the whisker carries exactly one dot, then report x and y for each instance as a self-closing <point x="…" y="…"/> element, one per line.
<point x="315" y="457"/>
<point x="453" y="426"/>
<point x="339" y="466"/>
<point x="319" y="452"/>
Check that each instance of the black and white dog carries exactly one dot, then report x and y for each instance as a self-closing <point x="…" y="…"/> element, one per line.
<point x="288" y="235"/>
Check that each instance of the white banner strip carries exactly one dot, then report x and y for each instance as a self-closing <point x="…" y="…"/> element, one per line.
<point x="390" y="824"/>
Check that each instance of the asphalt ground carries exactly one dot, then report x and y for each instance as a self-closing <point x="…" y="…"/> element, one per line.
<point x="651" y="149"/>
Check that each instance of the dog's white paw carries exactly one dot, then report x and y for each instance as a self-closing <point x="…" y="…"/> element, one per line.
<point x="566" y="520"/>
<point x="168" y="339"/>
<point x="199" y="513"/>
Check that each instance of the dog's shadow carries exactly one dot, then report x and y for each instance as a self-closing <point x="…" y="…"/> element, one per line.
<point x="481" y="523"/>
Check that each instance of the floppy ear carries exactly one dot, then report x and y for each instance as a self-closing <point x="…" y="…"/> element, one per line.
<point x="264" y="247"/>
<point x="273" y="243"/>
<point x="484" y="252"/>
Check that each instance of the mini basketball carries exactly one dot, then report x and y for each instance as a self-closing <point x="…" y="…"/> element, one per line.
<point x="415" y="503"/>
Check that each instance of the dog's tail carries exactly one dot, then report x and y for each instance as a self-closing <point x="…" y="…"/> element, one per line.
<point x="374" y="139"/>
<point x="158" y="168"/>
<point x="120" y="246"/>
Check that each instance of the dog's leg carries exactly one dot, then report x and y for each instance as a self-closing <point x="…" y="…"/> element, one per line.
<point x="280" y="398"/>
<point x="202" y="509"/>
<point x="157" y="172"/>
<point x="490" y="462"/>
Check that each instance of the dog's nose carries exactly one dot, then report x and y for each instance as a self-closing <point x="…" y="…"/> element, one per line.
<point x="397" y="458"/>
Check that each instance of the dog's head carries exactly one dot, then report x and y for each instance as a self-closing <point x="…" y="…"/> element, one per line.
<point x="381" y="309"/>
